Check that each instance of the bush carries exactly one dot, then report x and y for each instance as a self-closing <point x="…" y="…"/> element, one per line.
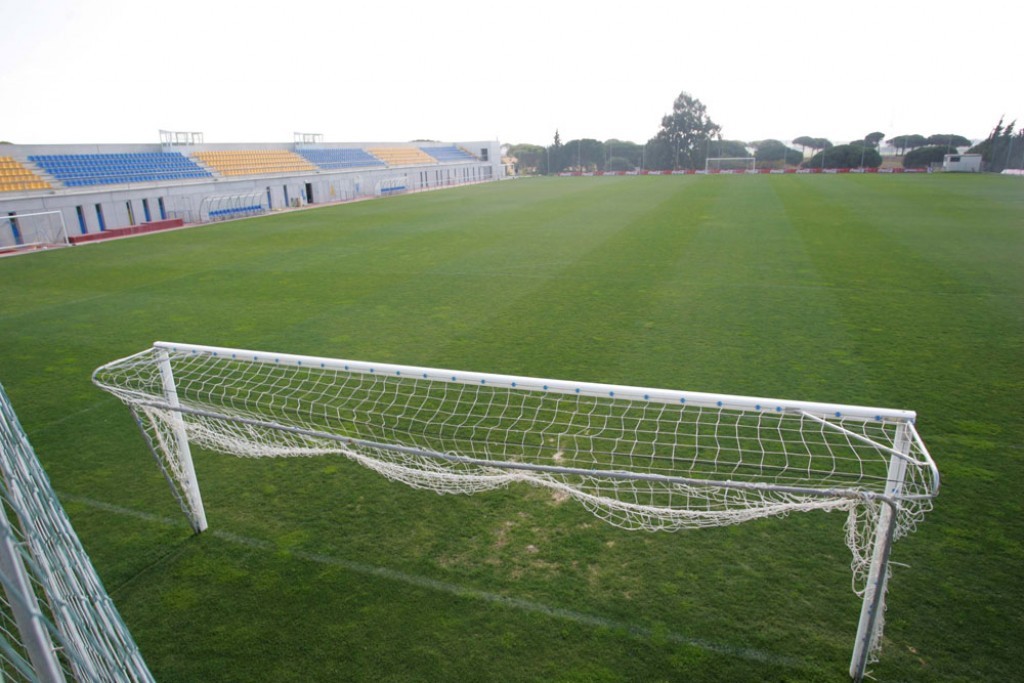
<point x="846" y="156"/>
<point x="772" y="153"/>
<point x="922" y="157"/>
<point x="619" y="164"/>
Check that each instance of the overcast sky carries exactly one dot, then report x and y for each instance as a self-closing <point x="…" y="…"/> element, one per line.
<point x="107" y="71"/>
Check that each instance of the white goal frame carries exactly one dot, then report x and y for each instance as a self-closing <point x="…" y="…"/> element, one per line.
<point x="272" y="404"/>
<point x="57" y="621"/>
<point x="27" y="231"/>
<point x="752" y="161"/>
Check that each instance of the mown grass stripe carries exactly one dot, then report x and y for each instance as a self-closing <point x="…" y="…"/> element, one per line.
<point x="448" y="588"/>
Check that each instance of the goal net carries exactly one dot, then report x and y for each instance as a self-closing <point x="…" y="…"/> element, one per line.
<point x="639" y="458"/>
<point x="730" y="164"/>
<point x="57" y="622"/>
<point x="33" y="231"/>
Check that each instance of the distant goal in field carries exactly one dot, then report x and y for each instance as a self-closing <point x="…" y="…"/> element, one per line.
<point x="40" y="230"/>
<point x="730" y="164"/>
<point x="638" y="458"/>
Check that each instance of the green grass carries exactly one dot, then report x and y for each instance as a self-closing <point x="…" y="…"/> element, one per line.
<point x="901" y="292"/>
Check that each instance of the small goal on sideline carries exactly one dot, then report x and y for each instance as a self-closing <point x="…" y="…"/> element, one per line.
<point x="28" y="231"/>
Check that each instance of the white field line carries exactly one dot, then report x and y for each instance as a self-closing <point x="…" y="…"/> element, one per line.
<point x="639" y="632"/>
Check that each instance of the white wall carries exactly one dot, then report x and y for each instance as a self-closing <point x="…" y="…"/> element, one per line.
<point x="969" y="163"/>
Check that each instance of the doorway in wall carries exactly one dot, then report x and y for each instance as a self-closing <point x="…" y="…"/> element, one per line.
<point x="81" y="220"/>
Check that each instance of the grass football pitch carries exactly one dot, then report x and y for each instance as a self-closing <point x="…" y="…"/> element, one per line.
<point x="894" y="291"/>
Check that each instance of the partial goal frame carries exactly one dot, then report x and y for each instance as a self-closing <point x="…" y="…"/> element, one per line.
<point x="639" y="458"/>
<point x="37" y="230"/>
<point x="737" y="164"/>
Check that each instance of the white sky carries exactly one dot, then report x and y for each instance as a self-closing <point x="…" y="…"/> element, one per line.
<point x="106" y="71"/>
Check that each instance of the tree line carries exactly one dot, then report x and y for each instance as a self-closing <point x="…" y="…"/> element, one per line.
<point x="687" y="137"/>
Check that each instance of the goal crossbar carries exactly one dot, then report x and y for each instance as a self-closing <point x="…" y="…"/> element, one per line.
<point x="638" y="458"/>
<point x="748" y="163"/>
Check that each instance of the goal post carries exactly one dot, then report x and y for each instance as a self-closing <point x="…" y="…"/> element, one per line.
<point x="57" y="621"/>
<point x="730" y="164"/>
<point x="638" y="458"/>
<point x="39" y="230"/>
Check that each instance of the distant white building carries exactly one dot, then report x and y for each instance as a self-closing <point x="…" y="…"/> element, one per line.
<point x="963" y="163"/>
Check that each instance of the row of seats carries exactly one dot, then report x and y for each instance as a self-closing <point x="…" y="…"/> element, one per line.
<point x="254" y="162"/>
<point x="76" y="170"/>
<point x="14" y="177"/>
<point x="339" y="159"/>
<point x="236" y="211"/>
<point x="23" y="185"/>
<point x="402" y="156"/>
<point x="449" y="153"/>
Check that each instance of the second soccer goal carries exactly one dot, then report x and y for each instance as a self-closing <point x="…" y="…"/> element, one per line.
<point x="638" y="458"/>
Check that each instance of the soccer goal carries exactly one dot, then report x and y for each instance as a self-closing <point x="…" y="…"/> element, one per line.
<point x="730" y="164"/>
<point x="638" y="458"/>
<point x="57" y="622"/>
<point x="40" y="230"/>
<point x="392" y="185"/>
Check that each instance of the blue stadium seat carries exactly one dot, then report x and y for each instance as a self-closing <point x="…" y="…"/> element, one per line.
<point x="76" y="170"/>
<point x="340" y="159"/>
<point x="449" y="154"/>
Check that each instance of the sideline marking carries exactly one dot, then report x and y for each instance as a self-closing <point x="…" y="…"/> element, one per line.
<point x="633" y="630"/>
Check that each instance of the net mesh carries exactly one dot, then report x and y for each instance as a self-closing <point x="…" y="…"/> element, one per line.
<point x="33" y="230"/>
<point x="730" y="164"/>
<point x="48" y="575"/>
<point x="636" y="458"/>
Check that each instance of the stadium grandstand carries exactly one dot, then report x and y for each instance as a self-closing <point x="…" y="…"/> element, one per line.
<point x="96" y="191"/>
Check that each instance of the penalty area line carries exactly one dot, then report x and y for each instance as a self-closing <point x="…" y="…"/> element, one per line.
<point x="582" y="618"/>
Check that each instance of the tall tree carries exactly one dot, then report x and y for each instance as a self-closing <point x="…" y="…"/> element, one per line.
<point x="659" y="154"/>
<point x="688" y="130"/>
<point x="948" y="140"/>
<point x="814" y="144"/>
<point x="875" y="138"/>
<point x="621" y="149"/>
<point x="1002" y="149"/>
<point x="529" y="158"/>
<point x="903" y="143"/>
<point x="923" y="157"/>
<point x="728" y="148"/>
<point x="845" y="156"/>
<point x="585" y="154"/>
<point x="554" y="163"/>
<point x="804" y="142"/>
<point x="771" y="153"/>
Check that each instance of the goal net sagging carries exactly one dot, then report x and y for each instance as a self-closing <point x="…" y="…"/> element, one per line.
<point x="730" y="164"/>
<point x="57" y="621"/>
<point x="638" y="458"/>
<point x="33" y="230"/>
